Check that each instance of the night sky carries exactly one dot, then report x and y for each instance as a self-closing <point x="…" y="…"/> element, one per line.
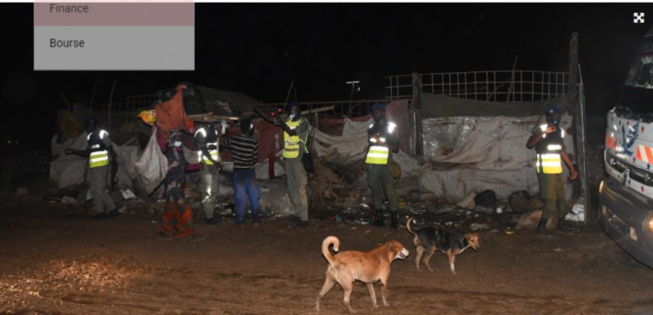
<point x="258" y="49"/>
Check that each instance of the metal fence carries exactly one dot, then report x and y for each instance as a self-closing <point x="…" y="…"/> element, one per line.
<point x="350" y="108"/>
<point x="335" y="109"/>
<point x="131" y="103"/>
<point x="498" y="86"/>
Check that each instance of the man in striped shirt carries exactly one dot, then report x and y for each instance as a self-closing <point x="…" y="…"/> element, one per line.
<point x="244" y="150"/>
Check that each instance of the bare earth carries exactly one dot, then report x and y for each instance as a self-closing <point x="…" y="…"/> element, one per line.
<point x="55" y="260"/>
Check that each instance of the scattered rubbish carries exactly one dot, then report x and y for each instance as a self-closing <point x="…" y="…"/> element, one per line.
<point x="468" y="202"/>
<point x="577" y="212"/>
<point x="127" y="194"/>
<point x="483" y="209"/>
<point x="509" y="231"/>
<point x="69" y="201"/>
<point x="362" y="221"/>
<point x="415" y="211"/>
<point x="530" y="219"/>
<point x="519" y="201"/>
<point x="122" y="209"/>
<point x="445" y="210"/>
<point x="486" y="198"/>
<point x="479" y="227"/>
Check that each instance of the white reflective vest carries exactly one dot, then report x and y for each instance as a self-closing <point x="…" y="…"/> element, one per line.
<point x="212" y="147"/>
<point x="379" y="152"/>
<point x="549" y="159"/>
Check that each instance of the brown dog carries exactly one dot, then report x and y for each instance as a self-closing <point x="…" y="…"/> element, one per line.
<point x="368" y="267"/>
<point x="430" y="239"/>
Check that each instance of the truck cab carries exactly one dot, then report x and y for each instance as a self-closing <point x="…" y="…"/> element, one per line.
<point x="626" y="194"/>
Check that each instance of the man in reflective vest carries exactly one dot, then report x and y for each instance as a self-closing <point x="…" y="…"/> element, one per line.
<point x="101" y="156"/>
<point x="207" y="139"/>
<point x="295" y="134"/>
<point x="383" y="140"/>
<point x="550" y="148"/>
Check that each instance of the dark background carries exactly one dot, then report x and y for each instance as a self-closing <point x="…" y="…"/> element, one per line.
<point x="258" y="49"/>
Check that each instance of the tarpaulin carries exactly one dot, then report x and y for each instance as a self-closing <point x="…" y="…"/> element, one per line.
<point x="171" y="115"/>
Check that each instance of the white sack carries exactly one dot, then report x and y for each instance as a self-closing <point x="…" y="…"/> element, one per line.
<point x="152" y="166"/>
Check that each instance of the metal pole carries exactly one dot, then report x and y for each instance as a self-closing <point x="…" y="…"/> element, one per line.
<point x="417" y="108"/>
<point x="351" y="97"/>
<point x="582" y="165"/>
<point x="110" y="101"/>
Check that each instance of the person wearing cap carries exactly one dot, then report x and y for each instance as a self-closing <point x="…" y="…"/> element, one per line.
<point x="244" y="150"/>
<point x="295" y="134"/>
<point x="207" y="138"/>
<point x="102" y="161"/>
<point x="383" y="140"/>
<point x="177" y="217"/>
<point x="548" y="141"/>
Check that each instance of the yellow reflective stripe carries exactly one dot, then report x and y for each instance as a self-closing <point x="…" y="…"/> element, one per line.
<point x="291" y="143"/>
<point x="377" y="155"/>
<point x="99" y="158"/>
<point x="214" y="155"/>
<point x="549" y="163"/>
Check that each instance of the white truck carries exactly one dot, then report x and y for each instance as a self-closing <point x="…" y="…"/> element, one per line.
<point x="626" y="195"/>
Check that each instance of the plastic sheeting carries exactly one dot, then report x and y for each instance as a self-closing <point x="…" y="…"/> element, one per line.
<point x="474" y="153"/>
<point x="489" y="143"/>
<point x="346" y="149"/>
<point x="71" y="170"/>
<point x="483" y="153"/>
<point x="68" y="170"/>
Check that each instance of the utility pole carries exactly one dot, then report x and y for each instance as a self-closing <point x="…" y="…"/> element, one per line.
<point x="351" y="96"/>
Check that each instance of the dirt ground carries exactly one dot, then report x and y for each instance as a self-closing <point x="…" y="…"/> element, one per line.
<point x="55" y="260"/>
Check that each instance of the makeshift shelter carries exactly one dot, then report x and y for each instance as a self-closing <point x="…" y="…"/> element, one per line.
<point x="476" y="145"/>
<point x="469" y="145"/>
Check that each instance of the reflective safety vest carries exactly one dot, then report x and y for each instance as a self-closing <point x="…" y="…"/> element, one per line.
<point x="99" y="155"/>
<point x="291" y="143"/>
<point x="212" y="145"/>
<point x="549" y="158"/>
<point x="379" y="152"/>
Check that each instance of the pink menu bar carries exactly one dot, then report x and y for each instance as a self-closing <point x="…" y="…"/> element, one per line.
<point x="96" y="13"/>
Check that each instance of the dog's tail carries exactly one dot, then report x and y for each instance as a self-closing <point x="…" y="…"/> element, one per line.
<point x="408" y="226"/>
<point x="325" y="247"/>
